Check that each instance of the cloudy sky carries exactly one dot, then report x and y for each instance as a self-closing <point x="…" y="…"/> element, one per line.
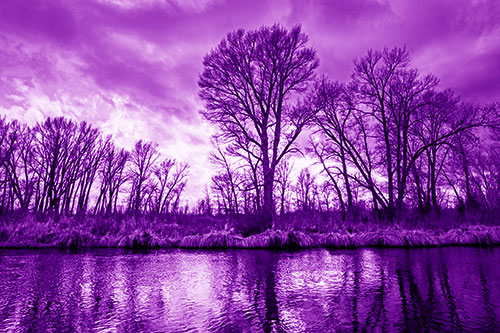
<point x="131" y="67"/>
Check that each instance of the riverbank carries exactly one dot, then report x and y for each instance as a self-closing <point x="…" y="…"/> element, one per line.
<point x="468" y="236"/>
<point x="66" y="234"/>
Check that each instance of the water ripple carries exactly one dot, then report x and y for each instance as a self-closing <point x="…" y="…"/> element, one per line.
<point x="445" y="289"/>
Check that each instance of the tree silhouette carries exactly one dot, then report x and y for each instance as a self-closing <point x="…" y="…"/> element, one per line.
<point x="250" y="85"/>
<point x="112" y="177"/>
<point x="143" y="158"/>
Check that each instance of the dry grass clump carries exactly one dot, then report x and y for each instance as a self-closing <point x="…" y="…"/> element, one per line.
<point x="494" y="233"/>
<point x="145" y="240"/>
<point x="268" y="239"/>
<point x="380" y="238"/>
<point x="337" y="240"/>
<point x="457" y="237"/>
<point x="472" y="235"/>
<point x="108" y="241"/>
<point x="419" y="238"/>
<point x="192" y="241"/>
<point x="213" y="240"/>
<point x="272" y="238"/>
<point x="300" y="239"/>
<point x="74" y="238"/>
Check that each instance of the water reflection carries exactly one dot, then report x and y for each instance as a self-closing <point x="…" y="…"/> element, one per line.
<point x="250" y="290"/>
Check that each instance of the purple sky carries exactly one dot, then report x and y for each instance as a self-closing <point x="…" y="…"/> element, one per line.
<point x="131" y="67"/>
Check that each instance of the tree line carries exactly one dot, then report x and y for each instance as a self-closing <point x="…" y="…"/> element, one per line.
<point x="388" y="139"/>
<point x="60" y="166"/>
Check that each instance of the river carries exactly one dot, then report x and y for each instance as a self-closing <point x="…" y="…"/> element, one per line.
<point x="319" y="290"/>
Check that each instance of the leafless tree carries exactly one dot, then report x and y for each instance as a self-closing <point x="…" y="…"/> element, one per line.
<point x="227" y="181"/>
<point x="171" y="178"/>
<point x="346" y="139"/>
<point x="19" y="163"/>
<point x="143" y="157"/>
<point x="250" y="85"/>
<point x="305" y="190"/>
<point x="60" y="150"/>
<point x="112" y="177"/>
<point x="283" y="181"/>
<point x="381" y="129"/>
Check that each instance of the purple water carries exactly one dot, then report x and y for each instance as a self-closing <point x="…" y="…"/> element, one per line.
<point x="249" y="290"/>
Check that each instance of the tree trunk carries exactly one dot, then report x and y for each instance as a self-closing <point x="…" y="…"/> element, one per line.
<point x="346" y="179"/>
<point x="268" y="206"/>
<point x="282" y="211"/>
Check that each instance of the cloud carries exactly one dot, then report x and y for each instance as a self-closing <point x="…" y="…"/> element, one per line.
<point x="131" y="67"/>
<point x="38" y="19"/>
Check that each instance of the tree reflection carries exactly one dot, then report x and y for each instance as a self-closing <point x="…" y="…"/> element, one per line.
<point x="448" y="289"/>
<point x="266" y="280"/>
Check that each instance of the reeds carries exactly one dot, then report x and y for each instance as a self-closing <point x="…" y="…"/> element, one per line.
<point x="129" y="233"/>
<point x="278" y="239"/>
<point x="213" y="240"/>
<point x="419" y="238"/>
<point x="337" y="240"/>
<point x="268" y="239"/>
<point x="478" y="235"/>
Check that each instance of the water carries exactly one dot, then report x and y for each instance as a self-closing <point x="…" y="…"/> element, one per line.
<point x="250" y="290"/>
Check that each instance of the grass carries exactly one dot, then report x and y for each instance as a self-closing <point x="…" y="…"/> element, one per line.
<point x="295" y="232"/>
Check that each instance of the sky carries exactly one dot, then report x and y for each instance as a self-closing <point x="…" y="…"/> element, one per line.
<point x="131" y="67"/>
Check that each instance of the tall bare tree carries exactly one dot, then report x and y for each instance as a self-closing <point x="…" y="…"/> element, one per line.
<point x="112" y="177"/>
<point x="143" y="158"/>
<point x="250" y="85"/>
<point x="19" y="163"/>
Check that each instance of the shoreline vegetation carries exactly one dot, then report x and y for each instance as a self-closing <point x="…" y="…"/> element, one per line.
<point x="140" y="233"/>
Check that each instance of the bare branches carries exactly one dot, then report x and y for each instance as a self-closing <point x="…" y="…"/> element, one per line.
<point x="63" y="167"/>
<point x="388" y="124"/>
<point x="249" y="85"/>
